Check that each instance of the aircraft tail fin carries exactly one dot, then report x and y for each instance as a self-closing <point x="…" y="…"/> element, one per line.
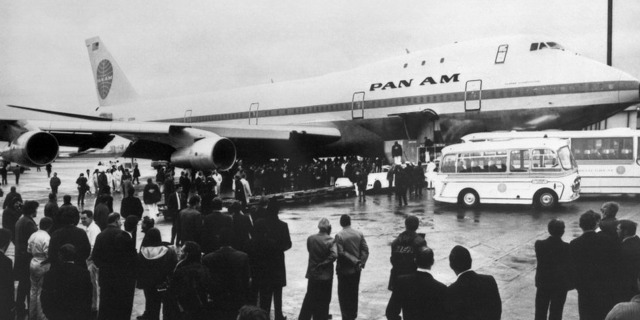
<point x="112" y="85"/>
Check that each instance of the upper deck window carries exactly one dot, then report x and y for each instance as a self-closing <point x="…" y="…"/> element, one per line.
<point x="545" y="45"/>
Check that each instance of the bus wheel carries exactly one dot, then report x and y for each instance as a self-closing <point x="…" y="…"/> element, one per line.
<point x="546" y="199"/>
<point x="468" y="198"/>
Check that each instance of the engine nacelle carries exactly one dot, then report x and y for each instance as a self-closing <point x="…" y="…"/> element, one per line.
<point x="208" y="153"/>
<point x="32" y="149"/>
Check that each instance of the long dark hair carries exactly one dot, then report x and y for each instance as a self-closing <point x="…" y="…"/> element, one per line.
<point x="152" y="238"/>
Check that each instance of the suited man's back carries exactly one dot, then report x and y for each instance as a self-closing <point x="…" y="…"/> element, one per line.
<point x="474" y="296"/>
<point x="229" y="270"/>
<point x="423" y="297"/>
<point x="554" y="264"/>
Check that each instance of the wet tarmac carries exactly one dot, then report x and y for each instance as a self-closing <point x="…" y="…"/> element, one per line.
<point x="500" y="238"/>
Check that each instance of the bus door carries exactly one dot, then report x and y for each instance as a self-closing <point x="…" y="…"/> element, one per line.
<point x="473" y="95"/>
<point x="519" y="165"/>
<point x="357" y="105"/>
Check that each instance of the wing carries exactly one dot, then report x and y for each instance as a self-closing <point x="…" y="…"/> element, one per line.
<point x="182" y="143"/>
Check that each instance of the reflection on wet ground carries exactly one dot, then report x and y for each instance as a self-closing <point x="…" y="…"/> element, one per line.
<point x="500" y="239"/>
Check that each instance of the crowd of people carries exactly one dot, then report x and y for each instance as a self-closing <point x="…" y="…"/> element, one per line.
<point x="78" y="263"/>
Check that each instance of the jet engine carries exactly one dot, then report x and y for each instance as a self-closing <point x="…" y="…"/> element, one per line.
<point x="207" y="153"/>
<point x="32" y="149"/>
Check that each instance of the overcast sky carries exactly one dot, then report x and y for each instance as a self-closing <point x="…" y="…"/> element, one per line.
<point x="169" y="48"/>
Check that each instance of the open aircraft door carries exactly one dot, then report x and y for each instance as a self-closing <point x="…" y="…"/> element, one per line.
<point x="357" y="105"/>
<point x="187" y="116"/>
<point x="253" y="113"/>
<point x="473" y="95"/>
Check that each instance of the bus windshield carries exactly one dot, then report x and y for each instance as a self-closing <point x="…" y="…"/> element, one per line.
<point x="566" y="159"/>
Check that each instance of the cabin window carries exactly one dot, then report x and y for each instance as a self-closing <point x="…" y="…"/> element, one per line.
<point x="501" y="55"/>
<point x="534" y="47"/>
<point x="405" y="65"/>
<point x="423" y="62"/>
<point x="543" y="45"/>
<point x="441" y="60"/>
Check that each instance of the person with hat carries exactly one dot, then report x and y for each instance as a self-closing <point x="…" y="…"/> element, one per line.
<point x="403" y="252"/>
<point x="322" y="253"/>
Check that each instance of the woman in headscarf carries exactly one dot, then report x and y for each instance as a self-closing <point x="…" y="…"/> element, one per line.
<point x="156" y="261"/>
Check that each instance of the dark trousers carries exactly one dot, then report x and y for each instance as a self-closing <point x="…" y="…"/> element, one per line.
<point x="116" y="298"/>
<point x="22" y="294"/>
<point x="551" y="301"/>
<point x="81" y="194"/>
<point x="266" y="293"/>
<point x="348" y="286"/>
<point x="54" y="190"/>
<point x="394" y="307"/>
<point x="152" y="303"/>
<point x="401" y="195"/>
<point x="316" y="301"/>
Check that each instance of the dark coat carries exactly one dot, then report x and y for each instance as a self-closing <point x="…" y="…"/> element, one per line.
<point x="474" y="296"/>
<point x="267" y="251"/>
<point x="72" y="235"/>
<point x="154" y="266"/>
<point x="9" y="218"/>
<point x="172" y="204"/>
<point x="403" y="251"/>
<point x="114" y="254"/>
<point x="101" y="215"/>
<point x="229" y="270"/>
<point x="422" y="297"/>
<point x="66" y="293"/>
<point x="10" y="198"/>
<point x="242" y="229"/>
<point x="51" y="209"/>
<point x="131" y="206"/>
<point x="595" y="257"/>
<point x="7" y="289"/>
<point x="554" y="271"/>
<point x="212" y="226"/>
<point x="151" y="194"/>
<point x="630" y="266"/>
<point x="25" y="227"/>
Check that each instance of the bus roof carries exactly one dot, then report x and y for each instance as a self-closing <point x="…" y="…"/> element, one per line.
<point x="535" y="143"/>
<point x="508" y="135"/>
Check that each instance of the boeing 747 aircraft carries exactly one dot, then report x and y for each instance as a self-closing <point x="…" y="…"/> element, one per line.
<point x="514" y="83"/>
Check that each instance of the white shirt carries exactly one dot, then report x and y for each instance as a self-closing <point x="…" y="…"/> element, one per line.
<point x="92" y="232"/>
<point x="39" y="245"/>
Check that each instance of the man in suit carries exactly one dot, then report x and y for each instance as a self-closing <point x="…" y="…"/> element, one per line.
<point x="473" y="295"/>
<point x="403" y="253"/>
<point x="7" y="289"/>
<point x="175" y="201"/>
<point x="229" y="269"/>
<point x="609" y="223"/>
<point x="422" y="297"/>
<point x="212" y="226"/>
<point x="66" y="291"/>
<point x="151" y="196"/>
<point x="25" y="227"/>
<point x="322" y="253"/>
<point x="190" y="222"/>
<point x="115" y="256"/>
<point x="553" y="273"/>
<point x="274" y="277"/>
<point x="595" y="257"/>
<point x="629" y="259"/>
<point x="353" y="253"/>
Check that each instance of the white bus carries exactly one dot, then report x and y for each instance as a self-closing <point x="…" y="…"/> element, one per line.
<point x="542" y="172"/>
<point x="608" y="160"/>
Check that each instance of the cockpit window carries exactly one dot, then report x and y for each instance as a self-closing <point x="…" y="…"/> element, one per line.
<point x="545" y="45"/>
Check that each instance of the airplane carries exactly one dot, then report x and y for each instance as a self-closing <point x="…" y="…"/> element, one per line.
<point x="505" y="83"/>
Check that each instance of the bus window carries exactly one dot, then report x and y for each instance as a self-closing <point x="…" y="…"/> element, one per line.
<point x="544" y="160"/>
<point x="520" y="161"/>
<point x="566" y="160"/>
<point x="449" y="164"/>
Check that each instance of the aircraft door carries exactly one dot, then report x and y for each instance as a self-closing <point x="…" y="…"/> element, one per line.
<point x="253" y="112"/>
<point x="473" y="95"/>
<point x="357" y="105"/>
<point x="187" y="116"/>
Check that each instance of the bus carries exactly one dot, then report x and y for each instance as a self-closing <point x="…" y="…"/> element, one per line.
<point x="608" y="160"/>
<point x="541" y="172"/>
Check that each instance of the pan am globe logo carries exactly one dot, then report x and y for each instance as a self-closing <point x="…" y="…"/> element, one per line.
<point x="104" y="76"/>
